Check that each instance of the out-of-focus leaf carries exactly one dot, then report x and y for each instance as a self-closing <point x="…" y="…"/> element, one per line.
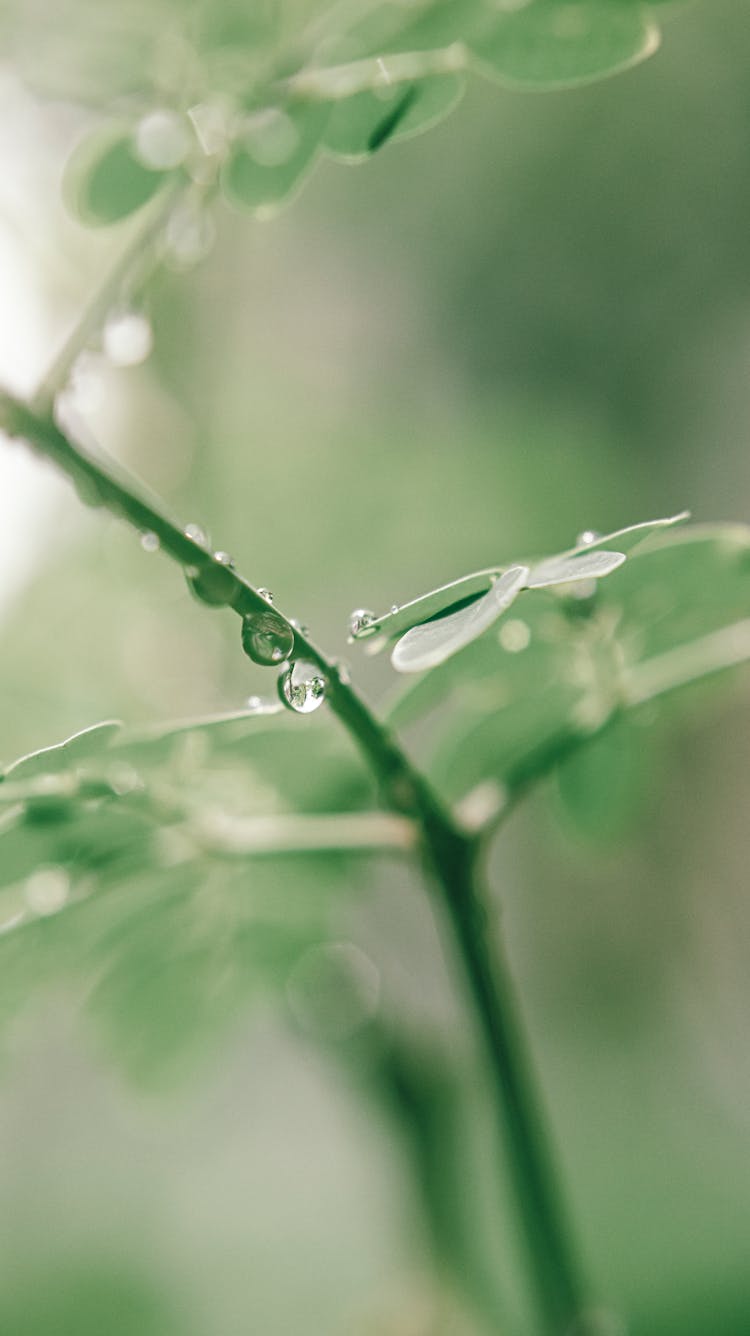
<point x="271" y="158"/>
<point x="360" y="125"/>
<point x="604" y="786"/>
<point x="557" y="669"/>
<point x="153" y="898"/>
<point x="50" y="760"/>
<point x="560" y="43"/>
<point x="105" y="181"/>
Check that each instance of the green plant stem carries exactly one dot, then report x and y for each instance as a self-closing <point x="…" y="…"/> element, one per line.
<point x="451" y="854"/>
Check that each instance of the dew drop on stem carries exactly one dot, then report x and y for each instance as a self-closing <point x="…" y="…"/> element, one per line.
<point x="360" y="621"/>
<point x="266" y="638"/>
<point x="196" y="534"/>
<point x="588" y="537"/>
<point x="302" y="687"/>
<point x="150" y="541"/>
<point x="214" y="582"/>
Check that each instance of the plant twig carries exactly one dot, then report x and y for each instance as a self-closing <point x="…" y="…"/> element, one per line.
<point x="451" y="854"/>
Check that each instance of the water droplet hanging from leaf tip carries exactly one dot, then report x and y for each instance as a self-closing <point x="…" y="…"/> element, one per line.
<point x="302" y="687"/>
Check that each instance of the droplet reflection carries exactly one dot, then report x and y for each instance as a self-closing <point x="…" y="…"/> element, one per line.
<point x="266" y="638"/>
<point x="302" y="687"/>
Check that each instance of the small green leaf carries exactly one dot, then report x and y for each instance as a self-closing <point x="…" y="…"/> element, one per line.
<point x="50" y="760"/>
<point x="566" y="570"/>
<point x="104" y="181"/>
<point x="272" y="156"/>
<point x="361" y="124"/>
<point x="432" y="642"/>
<point x="604" y="787"/>
<point x="558" y="44"/>
<point x="508" y="705"/>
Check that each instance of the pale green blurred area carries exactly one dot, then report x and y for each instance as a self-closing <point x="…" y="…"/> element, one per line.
<point x="533" y="320"/>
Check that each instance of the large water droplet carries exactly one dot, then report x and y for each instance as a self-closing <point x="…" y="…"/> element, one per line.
<point x="213" y="583"/>
<point x="127" y="338"/>
<point x="266" y="638"/>
<point x="302" y="687"/>
<point x="162" y="140"/>
<point x="360" y="622"/>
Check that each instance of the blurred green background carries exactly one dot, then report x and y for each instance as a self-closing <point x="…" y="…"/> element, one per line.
<point x="533" y="320"/>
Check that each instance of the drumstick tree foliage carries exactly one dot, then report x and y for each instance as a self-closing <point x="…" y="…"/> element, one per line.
<point x="119" y="844"/>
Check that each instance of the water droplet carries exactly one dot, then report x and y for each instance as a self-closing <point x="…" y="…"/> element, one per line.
<point x="162" y="140"/>
<point x="150" y="541"/>
<point x="514" y="635"/>
<point x="588" y="537"/>
<point x="394" y="608"/>
<point x="46" y="890"/>
<point x="127" y="338"/>
<point x="196" y="534"/>
<point x="189" y="236"/>
<point x="266" y="638"/>
<point x="302" y="687"/>
<point x="254" y="703"/>
<point x="224" y="559"/>
<point x="266" y="594"/>
<point x="213" y="583"/>
<point x="360" y="622"/>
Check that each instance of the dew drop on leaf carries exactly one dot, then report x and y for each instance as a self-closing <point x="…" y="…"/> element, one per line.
<point x="266" y="638"/>
<point x="360" y="622"/>
<point x="302" y="687"/>
<point x="266" y="594"/>
<point x="127" y="338"/>
<point x="150" y="541"/>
